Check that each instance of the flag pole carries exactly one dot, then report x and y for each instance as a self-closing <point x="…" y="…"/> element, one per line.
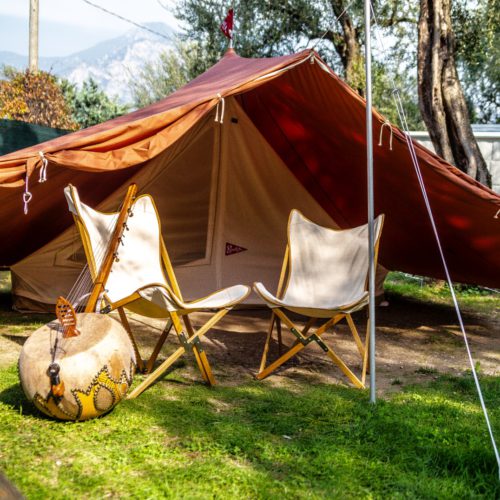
<point x="232" y="28"/>
<point x="371" y="239"/>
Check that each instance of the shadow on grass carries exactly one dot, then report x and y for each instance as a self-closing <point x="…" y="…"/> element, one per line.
<point x="428" y="442"/>
<point x="14" y="397"/>
<point x="18" y="339"/>
<point x="302" y="440"/>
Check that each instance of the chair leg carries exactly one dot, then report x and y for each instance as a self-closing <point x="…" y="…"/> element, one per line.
<point x="200" y="356"/>
<point x="280" y="339"/>
<point x="366" y="359"/>
<point x="263" y="360"/>
<point x="126" y="325"/>
<point x="282" y="359"/>
<point x="355" y="334"/>
<point x="299" y="346"/>
<point x="307" y="327"/>
<point x="157" y="373"/>
<point x="179" y="352"/>
<point x="345" y="369"/>
<point x="158" y="346"/>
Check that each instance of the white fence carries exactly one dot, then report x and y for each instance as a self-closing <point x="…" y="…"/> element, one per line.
<point x="488" y="138"/>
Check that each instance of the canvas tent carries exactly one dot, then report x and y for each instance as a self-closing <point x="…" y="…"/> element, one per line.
<point x="226" y="158"/>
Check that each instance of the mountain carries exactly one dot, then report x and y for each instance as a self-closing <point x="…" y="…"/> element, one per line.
<point x="111" y="63"/>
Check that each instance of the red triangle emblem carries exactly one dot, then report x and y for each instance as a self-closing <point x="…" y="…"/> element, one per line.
<point x="232" y="249"/>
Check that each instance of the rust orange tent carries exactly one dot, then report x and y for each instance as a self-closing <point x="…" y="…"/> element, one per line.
<point x="226" y="157"/>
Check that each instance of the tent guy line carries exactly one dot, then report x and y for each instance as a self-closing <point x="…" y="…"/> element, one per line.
<point x="411" y="149"/>
<point x="118" y="16"/>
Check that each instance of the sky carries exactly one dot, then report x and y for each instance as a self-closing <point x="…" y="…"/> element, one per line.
<point x="68" y="26"/>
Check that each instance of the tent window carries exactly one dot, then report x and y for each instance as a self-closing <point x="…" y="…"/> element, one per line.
<point x="182" y="193"/>
<point x="78" y="256"/>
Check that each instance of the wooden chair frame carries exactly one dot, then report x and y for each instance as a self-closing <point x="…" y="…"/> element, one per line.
<point x="304" y="338"/>
<point x="189" y="343"/>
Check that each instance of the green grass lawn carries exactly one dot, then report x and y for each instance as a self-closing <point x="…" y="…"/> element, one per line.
<point x="256" y="440"/>
<point x="471" y="299"/>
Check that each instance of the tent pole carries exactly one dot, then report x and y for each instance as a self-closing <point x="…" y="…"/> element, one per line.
<point x="369" y="157"/>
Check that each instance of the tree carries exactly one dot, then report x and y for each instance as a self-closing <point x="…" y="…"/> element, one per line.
<point x="441" y="98"/>
<point x="270" y="28"/>
<point x="34" y="97"/>
<point x="90" y="105"/>
<point x="477" y="31"/>
<point x="159" y="78"/>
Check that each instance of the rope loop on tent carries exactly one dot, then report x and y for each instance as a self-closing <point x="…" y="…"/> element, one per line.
<point x="221" y="105"/>
<point x="43" y="168"/>
<point x="27" y="196"/>
<point x="387" y="123"/>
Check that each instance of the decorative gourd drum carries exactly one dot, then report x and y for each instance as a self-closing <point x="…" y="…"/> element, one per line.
<point x="95" y="368"/>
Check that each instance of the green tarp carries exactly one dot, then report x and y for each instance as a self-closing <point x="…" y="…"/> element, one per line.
<point x="16" y="135"/>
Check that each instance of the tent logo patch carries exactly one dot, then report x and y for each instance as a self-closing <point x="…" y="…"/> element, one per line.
<point x="231" y="249"/>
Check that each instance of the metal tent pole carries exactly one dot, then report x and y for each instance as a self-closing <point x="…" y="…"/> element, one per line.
<point x="369" y="157"/>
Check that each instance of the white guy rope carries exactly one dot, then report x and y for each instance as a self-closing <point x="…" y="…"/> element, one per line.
<point x="336" y="18"/>
<point x="414" y="158"/>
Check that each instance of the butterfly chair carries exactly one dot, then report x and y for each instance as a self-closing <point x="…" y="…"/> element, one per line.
<point x="326" y="274"/>
<point x="142" y="280"/>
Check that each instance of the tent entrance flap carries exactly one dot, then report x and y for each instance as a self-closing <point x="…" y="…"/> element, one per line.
<point x="183" y="185"/>
<point x="220" y="187"/>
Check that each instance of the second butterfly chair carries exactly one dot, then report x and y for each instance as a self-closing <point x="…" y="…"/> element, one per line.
<point x="324" y="277"/>
<point x="141" y="279"/>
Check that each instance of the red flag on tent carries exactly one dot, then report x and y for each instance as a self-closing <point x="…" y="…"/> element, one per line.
<point x="227" y="25"/>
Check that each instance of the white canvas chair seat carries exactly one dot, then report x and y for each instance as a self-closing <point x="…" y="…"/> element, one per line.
<point x="167" y="300"/>
<point x="324" y="276"/>
<point x="142" y="279"/>
<point x="326" y="310"/>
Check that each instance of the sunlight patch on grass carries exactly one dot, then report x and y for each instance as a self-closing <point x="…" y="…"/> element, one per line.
<point x="258" y="441"/>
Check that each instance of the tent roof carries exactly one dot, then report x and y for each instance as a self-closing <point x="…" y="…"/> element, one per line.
<point x="316" y="124"/>
<point x="125" y="141"/>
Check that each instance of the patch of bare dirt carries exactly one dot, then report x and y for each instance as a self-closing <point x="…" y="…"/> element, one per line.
<point x="415" y="342"/>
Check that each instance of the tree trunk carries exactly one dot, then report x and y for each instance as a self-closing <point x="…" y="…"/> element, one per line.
<point x="348" y="48"/>
<point x="441" y="99"/>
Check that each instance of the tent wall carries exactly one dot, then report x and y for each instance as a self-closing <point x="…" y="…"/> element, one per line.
<point x="311" y="126"/>
<point x="219" y="184"/>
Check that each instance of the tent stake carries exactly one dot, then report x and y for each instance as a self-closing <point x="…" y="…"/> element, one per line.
<point x="369" y="158"/>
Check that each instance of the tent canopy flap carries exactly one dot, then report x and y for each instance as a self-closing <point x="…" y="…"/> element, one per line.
<point x="293" y="136"/>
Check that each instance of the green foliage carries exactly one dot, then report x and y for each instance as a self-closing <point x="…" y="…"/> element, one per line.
<point x="383" y="97"/>
<point x="34" y="97"/>
<point x="271" y="28"/>
<point x="265" y="29"/>
<point x="173" y="69"/>
<point x="262" y="28"/>
<point x="477" y="29"/>
<point x="258" y="441"/>
<point x="90" y="105"/>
